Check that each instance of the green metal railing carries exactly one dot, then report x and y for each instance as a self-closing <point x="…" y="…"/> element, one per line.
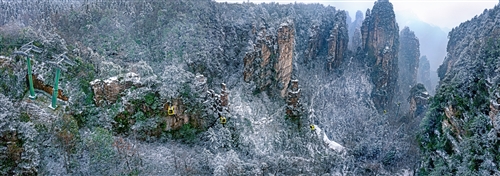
<point x="58" y="66"/>
<point x="55" y="90"/>
<point x="30" y="79"/>
<point x="24" y="51"/>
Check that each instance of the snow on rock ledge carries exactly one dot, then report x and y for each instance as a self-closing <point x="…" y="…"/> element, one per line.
<point x="107" y="91"/>
<point x="331" y="144"/>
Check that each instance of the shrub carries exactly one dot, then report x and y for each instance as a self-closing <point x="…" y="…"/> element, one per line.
<point x="100" y="147"/>
<point x="186" y="134"/>
<point x="68" y="136"/>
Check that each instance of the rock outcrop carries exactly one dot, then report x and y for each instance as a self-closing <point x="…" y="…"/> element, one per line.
<point x="380" y="41"/>
<point x="494" y="109"/>
<point x="481" y="30"/>
<point x="218" y="104"/>
<point x="418" y="99"/>
<point x="175" y="117"/>
<point x="294" y="106"/>
<point x="195" y="106"/>
<point x="314" y="44"/>
<point x="107" y="91"/>
<point x="408" y="61"/>
<point x="224" y="96"/>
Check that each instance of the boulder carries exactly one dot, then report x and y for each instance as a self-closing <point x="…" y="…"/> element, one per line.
<point x="108" y="91"/>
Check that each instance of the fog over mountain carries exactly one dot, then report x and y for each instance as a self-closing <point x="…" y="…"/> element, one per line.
<point x="433" y="42"/>
<point x="433" y="39"/>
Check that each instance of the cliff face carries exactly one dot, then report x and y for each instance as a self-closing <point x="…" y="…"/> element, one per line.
<point x="286" y="43"/>
<point x="460" y="133"/>
<point x="380" y="41"/>
<point x="328" y="39"/>
<point x="314" y="42"/>
<point x="274" y="50"/>
<point x="269" y="63"/>
<point x="408" y="62"/>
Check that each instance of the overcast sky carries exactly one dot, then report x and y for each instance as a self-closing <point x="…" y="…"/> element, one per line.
<point x="442" y="13"/>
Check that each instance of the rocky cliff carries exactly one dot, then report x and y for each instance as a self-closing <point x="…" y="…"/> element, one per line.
<point x="338" y="41"/>
<point x="327" y="40"/>
<point x="460" y="133"/>
<point x="408" y="62"/>
<point x="380" y="41"/>
<point x="271" y="58"/>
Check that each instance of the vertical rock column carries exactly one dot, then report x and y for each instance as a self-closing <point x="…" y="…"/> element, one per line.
<point x="224" y="99"/>
<point x="424" y="73"/>
<point x="313" y="45"/>
<point x="259" y="63"/>
<point x="286" y="44"/>
<point x="338" y="41"/>
<point x="355" y="31"/>
<point x="380" y="35"/>
<point x="294" y="107"/>
<point x="409" y="53"/>
<point x="269" y="63"/>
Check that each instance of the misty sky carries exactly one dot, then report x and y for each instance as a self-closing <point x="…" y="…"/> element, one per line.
<point x="445" y="14"/>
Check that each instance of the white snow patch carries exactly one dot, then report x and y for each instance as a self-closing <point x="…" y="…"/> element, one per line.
<point x="132" y="77"/>
<point x="239" y="106"/>
<point x="94" y="82"/>
<point x="242" y="109"/>
<point x="5" y="58"/>
<point x="110" y="80"/>
<point x="262" y="121"/>
<point x="494" y="103"/>
<point x="331" y="144"/>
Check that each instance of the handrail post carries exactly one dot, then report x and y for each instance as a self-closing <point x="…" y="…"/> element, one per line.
<point x="55" y="89"/>
<point x="30" y="80"/>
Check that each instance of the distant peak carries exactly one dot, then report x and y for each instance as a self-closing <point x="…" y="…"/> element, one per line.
<point x="359" y="14"/>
